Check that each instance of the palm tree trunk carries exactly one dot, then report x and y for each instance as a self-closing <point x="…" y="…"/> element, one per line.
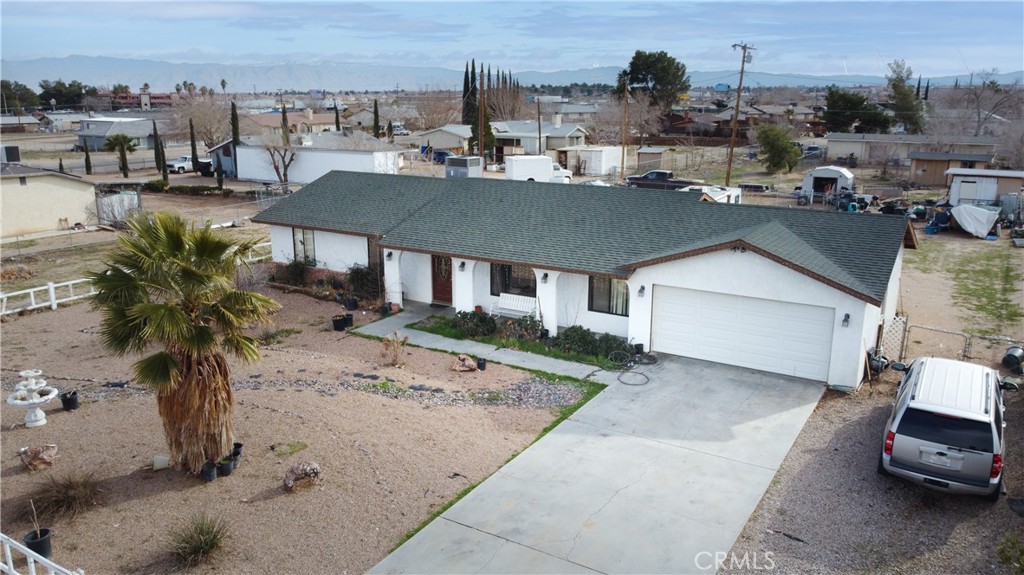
<point x="196" y="411"/>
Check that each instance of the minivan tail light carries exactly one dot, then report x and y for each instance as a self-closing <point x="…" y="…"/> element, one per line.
<point x="997" y="465"/>
<point x="891" y="436"/>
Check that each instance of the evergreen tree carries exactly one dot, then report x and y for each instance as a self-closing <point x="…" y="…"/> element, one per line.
<point x="906" y="109"/>
<point x="471" y="103"/>
<point x="219" y="170"/>
<point x="337" y="120"/>
<point x="926" y="87"/>
<point x="88" y="161"/>
<point x="60" y="165"/>
<point x="390" y="131"/>
<point x="376" y="120"/>
<point x="236" y="139"/>
<point x="286" y="140"/>
<point x="195" y="152"/>
<point x="467" y="117"/>
<point x="158" y="151"/>
<point x="917" y="92"/>
<point x="163" y="165"/>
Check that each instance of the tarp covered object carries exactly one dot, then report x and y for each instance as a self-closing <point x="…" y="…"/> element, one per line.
<point x="974" y="220"/>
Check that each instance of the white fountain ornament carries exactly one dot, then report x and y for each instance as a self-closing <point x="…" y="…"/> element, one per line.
<point x="31" y="393"/>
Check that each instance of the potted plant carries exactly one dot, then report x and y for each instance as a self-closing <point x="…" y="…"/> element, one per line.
<point x="225" y="467"/>
<point x="209" y="471"/>
<point x="38" y="540"/>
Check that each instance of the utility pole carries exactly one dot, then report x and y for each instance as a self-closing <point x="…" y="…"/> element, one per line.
<point x="736" y="111"/>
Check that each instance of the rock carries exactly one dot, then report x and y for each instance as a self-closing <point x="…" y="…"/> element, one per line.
<point x="302" y="475"/>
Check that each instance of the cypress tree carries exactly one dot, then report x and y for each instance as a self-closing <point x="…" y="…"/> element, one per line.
<point x="285" y="138"/>
<point x="195" y="152"/>
<point x="88" y="161"/>
<point x="376" y="120"/>
<point x="337" y="119"/>
<point x="163" y="164"/>
<point x="466" y="116"/>
<point x="158" y="153"/>
<point x="219" y="170"/>
<point x="235" y="137"/>
<point x="60" y="165"/>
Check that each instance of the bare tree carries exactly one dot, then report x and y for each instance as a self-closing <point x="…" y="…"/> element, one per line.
<point x="504" y="98"/>
<point x="279" y="149"/>
<point x="987" y="99"/>
<point x="210" y="114"/>
<point x="1011" y="146"/>
<point x="438" y="109"/>
<point x="605" y="127"/>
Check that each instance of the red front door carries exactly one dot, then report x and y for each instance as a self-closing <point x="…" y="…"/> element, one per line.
<point x="441" y="272"/>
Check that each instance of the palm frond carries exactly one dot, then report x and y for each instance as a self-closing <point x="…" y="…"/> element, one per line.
<point x="157" y="370"/>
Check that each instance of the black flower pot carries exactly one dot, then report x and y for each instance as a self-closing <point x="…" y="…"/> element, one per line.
<point x="481" y="363"/>
<point x="69" y="400"/>
<point x="226" y="467"/>
<point x="209" y="471"/>
<point x="39" y="542"/>
<point x="338" y="322"/>
<point x="352" y="304"/>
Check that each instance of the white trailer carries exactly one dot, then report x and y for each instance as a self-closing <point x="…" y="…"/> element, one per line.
<point x="600" y="160"/>
<point x="535" y="169"/>
<point x="973" y="186"/>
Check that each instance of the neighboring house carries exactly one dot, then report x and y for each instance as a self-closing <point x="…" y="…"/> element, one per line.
<point x="513" y="138"/>
<point x="876" y="149"/>
<point x="982" y="186"/>
<point x="18" y="124"/>
<point x="38" y="200"/>
<point x="315" y="155"/>
<point x="299" y="122"/>
<point x="61" y="121"/>
<point x="362" y="118"/>
<point x="929" y="168"/>
<point x="767" y="288"/>
<point x="95" y="131"/>
<point x="783" y="114"/>
<point x="577" y="113"/>
<point x="451" y="137"/>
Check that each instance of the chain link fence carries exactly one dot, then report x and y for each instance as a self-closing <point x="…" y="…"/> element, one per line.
<point x="901" y="341"/>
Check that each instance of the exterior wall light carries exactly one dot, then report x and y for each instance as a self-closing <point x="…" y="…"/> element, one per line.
<point x="462" y="266"/>
<point x="640" y="292"/>
<point x="846" y="320"/>
<point x="544" y="278"/>
<point x="390" y="255"/>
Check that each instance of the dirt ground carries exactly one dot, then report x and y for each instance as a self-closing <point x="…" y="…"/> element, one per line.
<point x="388" y="461"/>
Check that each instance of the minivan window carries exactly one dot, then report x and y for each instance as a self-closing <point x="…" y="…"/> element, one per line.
<point x="944" y="430"/>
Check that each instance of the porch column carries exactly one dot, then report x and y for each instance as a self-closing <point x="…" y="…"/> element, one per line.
<point x="463" y="284"/>
<point x="641" y="309"/>
<point x="547" y="299"/>
<point x="393" y="276"/>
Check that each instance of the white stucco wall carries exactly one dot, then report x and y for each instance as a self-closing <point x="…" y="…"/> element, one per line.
<point x="337" y="252"/>
<point x="750" y="275"/>
<point x="254" y="163"/>
<point x="573" y="294"/>
<point x="890" y="305"/>
<point x="415" y="277"/>
<point x="39" y="205"/>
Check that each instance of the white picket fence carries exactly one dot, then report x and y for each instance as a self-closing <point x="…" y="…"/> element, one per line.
<point x="32" y="559"/>
<point x="53" y="294"/>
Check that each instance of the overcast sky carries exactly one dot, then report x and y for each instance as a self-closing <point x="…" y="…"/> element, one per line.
<point x="935" y="38"/>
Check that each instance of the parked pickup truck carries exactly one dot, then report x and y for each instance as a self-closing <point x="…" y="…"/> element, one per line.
<point x="181" y="165"/>
<point x="660" y="180"/>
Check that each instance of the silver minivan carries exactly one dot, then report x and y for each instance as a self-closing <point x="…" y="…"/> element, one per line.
<point x="946" y="430"/>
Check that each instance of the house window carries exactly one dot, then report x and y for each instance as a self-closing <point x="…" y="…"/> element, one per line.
<point x="608" y="295"/>
<point x="22" y="181"/>
<point x="515" y="278"/>
<point x="302" y="241"/>
<point x="967" y="164"/>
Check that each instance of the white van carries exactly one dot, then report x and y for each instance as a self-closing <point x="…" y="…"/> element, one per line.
<point x="760" y="188"/>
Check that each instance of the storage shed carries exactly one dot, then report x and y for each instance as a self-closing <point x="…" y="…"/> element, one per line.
<point x="967" y="186"/>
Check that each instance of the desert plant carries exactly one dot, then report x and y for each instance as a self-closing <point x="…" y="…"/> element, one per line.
<point x="168" y="289"/>
<point x="198" y="539"/>
<point x="392" y="348"/>
<point x="1011" y="551"/>
<point x="66" y="497"/>
<point x="576" y="339"/>
<point x="157" y="186"/>
<point x="365" y="282"/>
<point x="526" y="328"/>
<point x="293" y="273"/>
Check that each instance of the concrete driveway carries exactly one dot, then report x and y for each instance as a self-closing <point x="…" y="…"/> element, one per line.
<point x="655" y="478"/>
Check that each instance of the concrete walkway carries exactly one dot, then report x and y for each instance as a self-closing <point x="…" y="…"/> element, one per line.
<point x="655" y="478"/>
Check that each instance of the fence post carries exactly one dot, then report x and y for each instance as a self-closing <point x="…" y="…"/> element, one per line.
<point x="53" y="295"/>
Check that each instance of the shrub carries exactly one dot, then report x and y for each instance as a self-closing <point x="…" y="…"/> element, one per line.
<point x="526" y="328"/>
<point x="156" y="186"/>
<point x="67" y="497"/>
<point x="365" y="282"/>
<point x="1011" y="551"/>
<point x="193" y="190"/>
<point x="293" y="273"/>
<point x="576" y="339"/>
<point x="198" y="539"/>
<point x="392" y="348"/>
<point x="475" y="324"/>
<point x="607" y="343"/>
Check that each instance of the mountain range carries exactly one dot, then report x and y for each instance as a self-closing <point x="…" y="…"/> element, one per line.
<point x="162" y="76"/>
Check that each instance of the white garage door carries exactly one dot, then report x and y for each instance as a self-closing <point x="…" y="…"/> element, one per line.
<point x="768" y="335"/>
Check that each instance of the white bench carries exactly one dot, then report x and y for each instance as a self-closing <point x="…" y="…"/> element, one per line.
<point x="511" y="305"/>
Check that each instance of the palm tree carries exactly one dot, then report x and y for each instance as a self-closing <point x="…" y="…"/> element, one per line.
<point x="171" y="284"/>
<point x="123" y="145"/>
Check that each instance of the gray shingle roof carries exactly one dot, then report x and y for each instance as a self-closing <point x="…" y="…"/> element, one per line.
<point x="591" y="229"/>
<point x="918" y="155"/>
